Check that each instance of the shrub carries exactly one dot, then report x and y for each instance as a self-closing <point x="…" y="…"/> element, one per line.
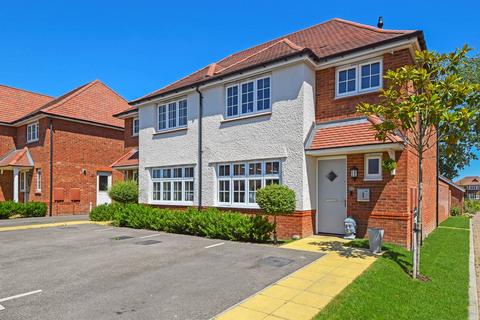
<point x="455" y="211"/>
<point x="29" y="209"/>
<point x="124" y="192"/>
<point x="472" y="206"/>
<point x="103" y="212"/>
<point x="35" y="209"/>
<point x="276" y="200"/>
<point x="210" y="223"/>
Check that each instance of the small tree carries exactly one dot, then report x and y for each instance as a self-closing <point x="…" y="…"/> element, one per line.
<point x="124" y="192"/>
<point x="423" y="102"/>
<point x="276" y="200"/>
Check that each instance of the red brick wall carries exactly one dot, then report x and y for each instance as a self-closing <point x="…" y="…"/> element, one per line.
<point x="388" y="205"/>
<point x="7" y="143"/>
<point x="130" y="140"/>
<point x="79" y="151"/>
<point x="330" y="108"/>
<point x="444" y="203"/>
<point x="457" y="198"/>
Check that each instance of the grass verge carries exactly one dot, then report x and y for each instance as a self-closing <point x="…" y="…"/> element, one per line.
<point x="385" y="291"/>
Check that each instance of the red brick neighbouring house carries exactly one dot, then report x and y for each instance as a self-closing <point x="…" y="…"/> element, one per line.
<point x="450" y="195"/>
<point x="59" y="150"/>
<point x="127" y="164"/>
<point x="472" y="187"/>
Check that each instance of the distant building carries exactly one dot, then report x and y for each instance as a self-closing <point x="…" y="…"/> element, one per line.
<point x="472" y="187"/>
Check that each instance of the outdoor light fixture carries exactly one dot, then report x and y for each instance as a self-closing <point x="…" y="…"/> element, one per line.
<point x="354" y="173"/>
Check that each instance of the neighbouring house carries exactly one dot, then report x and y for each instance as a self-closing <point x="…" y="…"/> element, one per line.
<point x="285" y="112"/>
<point x="450" y="195"/>
<point x="127" y="164"/>
<point x="59" y="150"/>
<point x="472" y="187"/>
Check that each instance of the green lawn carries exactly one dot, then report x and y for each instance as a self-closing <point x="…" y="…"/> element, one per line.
<point x="385" y="291"/>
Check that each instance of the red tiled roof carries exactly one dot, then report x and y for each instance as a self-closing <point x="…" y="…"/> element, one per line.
<point x="93" y="102"/>
<point x="348" y="133"/>
<point x="323" y="40"/>
<point x="126" y="112"/>
<point x="468" y="181"/>
<point x="15" y="103"/>
<point x="129" y="159"/>
<point x="17" y="158"/>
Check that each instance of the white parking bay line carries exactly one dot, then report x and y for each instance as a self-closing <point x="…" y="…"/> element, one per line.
<point x="215" y="245"/>
<point x="17" y="296"/>
<point x="100" y="230"/>
<point x="150" y="236"/>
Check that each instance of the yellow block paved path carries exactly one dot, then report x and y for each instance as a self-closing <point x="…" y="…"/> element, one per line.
<point x="302" y="294"/>
<point x="53" y="224"/>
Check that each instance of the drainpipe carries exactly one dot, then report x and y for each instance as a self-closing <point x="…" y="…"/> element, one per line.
<point x="51" y="170"/>
<point x="200" y="143"/>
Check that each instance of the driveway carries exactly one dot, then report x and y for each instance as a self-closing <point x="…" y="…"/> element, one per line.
<point x="100" y="272"/>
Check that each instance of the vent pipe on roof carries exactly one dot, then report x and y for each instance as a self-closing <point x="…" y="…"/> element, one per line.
<point x="380" y="22"/>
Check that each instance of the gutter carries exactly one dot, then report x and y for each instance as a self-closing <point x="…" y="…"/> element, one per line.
<point x="200" y="145"/>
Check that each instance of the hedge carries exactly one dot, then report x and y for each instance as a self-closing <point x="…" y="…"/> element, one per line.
<point x="210" y="223"/>
<point x="29" y="209"/>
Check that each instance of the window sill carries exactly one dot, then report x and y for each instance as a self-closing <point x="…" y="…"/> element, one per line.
<point x="170" y="130"/>
<point x="356" y="93"/>
<point x="237" y="206"/>
<point x="32" y="141"/>
<point x="171" y="203"/>
<point x="248" y="116"/>
<point x="372" y="179"/>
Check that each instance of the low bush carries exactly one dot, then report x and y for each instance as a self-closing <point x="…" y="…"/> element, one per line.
<point x="124" y="192"/>
<point x="210" y="223"/>
<point x="455" y="211"/>
<point x="29" y="209"/>
<point x="472" y="206"/>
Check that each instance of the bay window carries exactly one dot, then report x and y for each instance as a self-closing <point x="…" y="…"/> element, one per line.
<point x="172" y="185"/>
<point x="238" y="183"/>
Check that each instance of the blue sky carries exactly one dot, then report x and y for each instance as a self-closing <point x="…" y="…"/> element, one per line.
<point x="138" y="46"/>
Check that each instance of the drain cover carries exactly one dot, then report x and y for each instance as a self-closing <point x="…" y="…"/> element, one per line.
<point x="148" y="242"/>
<point x="275" y="261"/>
<point x="121" y="238"/>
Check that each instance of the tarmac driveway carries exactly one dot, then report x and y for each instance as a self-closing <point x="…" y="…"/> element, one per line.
<point x="94" y="272"/>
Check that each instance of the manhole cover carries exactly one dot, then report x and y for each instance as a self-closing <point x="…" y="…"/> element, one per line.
<point x="148" y="242"/>
<point x="121" y="238"/>
<point x="275" y="261"/>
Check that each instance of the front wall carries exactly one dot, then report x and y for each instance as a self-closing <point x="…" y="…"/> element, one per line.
<point x="280" y="135"/>
<point x="7" y="143"/>
<point x="130" y="140"/>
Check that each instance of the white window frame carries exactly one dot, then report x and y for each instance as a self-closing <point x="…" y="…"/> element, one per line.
<point x="373" y="177"/>
<point x="246" y="178"/>
<point x="135" y="132"/>
<point x="171" y="180"/>
<point x="167" y="115"/>
<point x="33" y="132"/>
<point x="23" y="181"/>
<point x="358" y="78"/>
<point x="255" y="98"/>
<point x="39" y="180"/>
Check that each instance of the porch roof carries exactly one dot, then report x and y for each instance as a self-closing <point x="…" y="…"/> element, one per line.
<point x="128" y="160"/>
<point x="17" y="158"/>
<point x="353" y="132"/>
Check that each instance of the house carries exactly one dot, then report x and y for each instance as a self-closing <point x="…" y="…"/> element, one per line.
<point x="59" y="150"/>
<point x="127" y="164"/>
<point x="472" y="187"/>
<point x="450" y="195"/>
<point x="285" y="112"/>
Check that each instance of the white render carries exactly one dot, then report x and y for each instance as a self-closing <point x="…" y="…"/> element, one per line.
<point x="281" y="135"/>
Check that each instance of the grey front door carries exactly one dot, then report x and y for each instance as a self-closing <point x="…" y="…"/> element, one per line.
<point x="332" y="195"/>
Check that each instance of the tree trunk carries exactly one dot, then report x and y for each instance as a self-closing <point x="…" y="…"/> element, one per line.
<point x="420" y="209"/>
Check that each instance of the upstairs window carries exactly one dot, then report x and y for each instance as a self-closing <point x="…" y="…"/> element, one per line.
<point x="359" y="78"/>
<point x="248" y="97"/>
<point x="32" y="132"/>
<point x="135" y="127"/>
<point x="172" y="115"/>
